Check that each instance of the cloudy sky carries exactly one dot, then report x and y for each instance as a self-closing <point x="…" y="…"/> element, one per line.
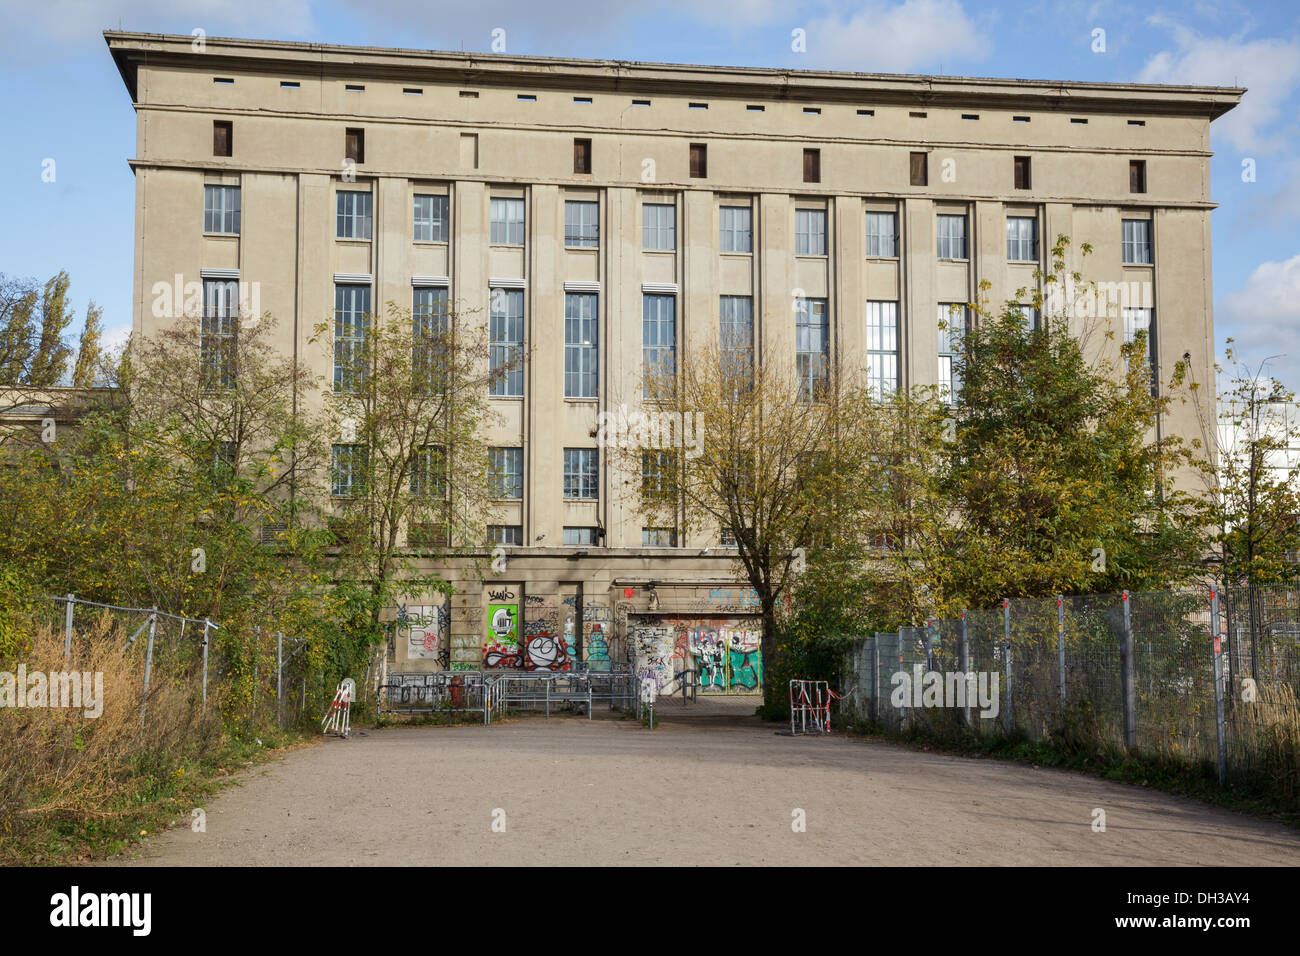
<point x="63" y="100"/>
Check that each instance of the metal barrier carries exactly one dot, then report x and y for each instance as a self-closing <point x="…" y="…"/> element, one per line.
<point x="446" y="692"/>
<point x="540" y="689"/>
<point x="810" y="707"/>
<point x="618" y="686"/>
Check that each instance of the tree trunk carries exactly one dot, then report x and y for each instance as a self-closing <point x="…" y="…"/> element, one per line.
<point x="767" y="645"/>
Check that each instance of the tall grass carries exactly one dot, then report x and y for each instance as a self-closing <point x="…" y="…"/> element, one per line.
<point x="59" y="766"/>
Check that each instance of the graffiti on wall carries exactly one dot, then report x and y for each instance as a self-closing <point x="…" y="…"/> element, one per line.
<point x="723" y="652"/>
<point x="423" y="626"/>
<point x="536" y="645"/>
<point x="653" y="647"/>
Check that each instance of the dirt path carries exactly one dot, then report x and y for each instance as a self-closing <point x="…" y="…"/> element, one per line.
<point x="705" y="790"/>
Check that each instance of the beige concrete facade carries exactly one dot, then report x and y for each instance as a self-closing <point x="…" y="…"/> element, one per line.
<point x="474" y="128"/>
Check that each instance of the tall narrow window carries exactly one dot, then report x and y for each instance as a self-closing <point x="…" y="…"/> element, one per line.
<point x="736" y="337"/>
<point x="506" y="222"/>
<point x="348" y="464"/>
<point x="581" y="345"/>
<point x="812" y="348"/>
<point x="953" y="322"/>
<point x="429" y="473"/>
<point x="952" y="237"/>
<point x="506" y="343"/>
<point x="354" y="145"/>
<point x="506" y="472"/>
<point x="658" y="342"/>
<point x="1022" y="239"/>
<point x="1140" y="322"/>
<point x="351" y="321"/>
<point x="430" y="324"/>
<point x="430" y="218"/>
<point x="920" y="169"/>
<point x="658" y="475"/>
<point x="882" y="235"/>
<point x="581" y="224"/>
<point x="736" y="229"/>
<point x="658" y="226"/>
<point x="882" y="349"/>
<point x="582" y="156"/>
<point x="221" y="209"/>
<point x="1136" y="241"/>
<point x="223" y="138"/>
<point x="217" y="339"/>
<point x="810" y="232"/>
<point x="1137" y="176"/>
<point x="699" y="161"/>
<point x="812" y="165"/>
<point x="353" y="219"/>
<point x="1020" y="175"/>
<point x="581" y="473"/>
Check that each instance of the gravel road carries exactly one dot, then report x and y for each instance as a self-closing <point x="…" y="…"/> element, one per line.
<point x="699" y="789"/>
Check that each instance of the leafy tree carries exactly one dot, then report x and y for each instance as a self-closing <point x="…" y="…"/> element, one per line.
<point x="409" y="477"/>
<point x="748" y="451"/>
<point x="1255" y="488"/>
<point x="1061" y="480"/>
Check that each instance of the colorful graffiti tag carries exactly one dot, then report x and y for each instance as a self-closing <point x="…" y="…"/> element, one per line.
<point x="424" y="625"/>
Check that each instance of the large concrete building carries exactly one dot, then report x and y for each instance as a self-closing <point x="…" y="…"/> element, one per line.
<point x="617" y="209"/>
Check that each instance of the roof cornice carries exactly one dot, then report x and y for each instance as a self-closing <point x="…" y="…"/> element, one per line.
<point x="130" y="50"/>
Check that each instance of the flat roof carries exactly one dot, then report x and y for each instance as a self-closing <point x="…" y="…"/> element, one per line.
<point x="132" y="50"/>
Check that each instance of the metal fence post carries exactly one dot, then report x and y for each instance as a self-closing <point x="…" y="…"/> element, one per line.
<point x="1060" y="650"/>
<point x="207" y="624"/>
<point x="67" y="627"/>
<point x="1008" y="722"/>
<point x="963" y="664"/>
<point x="148" y="663"/>
<point x="875" y="678"/>
<point x="279" y="675"/>
<point x="1127" y="676"/>
<point x="1220" y="727"/>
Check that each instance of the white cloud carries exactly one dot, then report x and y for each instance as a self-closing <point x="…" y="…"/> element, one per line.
<point x="915" y="35"/>
<point x="1263" y="318"/>
<point x="80" y="21"/>
<point x="1269" y="68"/>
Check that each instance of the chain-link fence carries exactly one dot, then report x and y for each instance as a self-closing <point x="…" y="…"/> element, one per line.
<point x="257" y="676"/>
<point x="1163" y="674"/>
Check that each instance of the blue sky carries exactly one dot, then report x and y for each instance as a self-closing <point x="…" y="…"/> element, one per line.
<point x="60" y="88"/>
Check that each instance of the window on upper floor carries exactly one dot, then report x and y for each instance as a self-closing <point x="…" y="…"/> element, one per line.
<point x="812" y="165"/>
<point x="581" y="224"/>
<point x="582" y="156"/>
<point x="699" y="161"/>
<point x="882" y="235"/>
<point x="223" y="138"/>
<point x="735" y="229"/>
<point x="810" y="232"/>
<point x="221" y="209"/>
<point x="882" y="349"/>
<point x="1137" y="176"/>
<point x="1135" y="241"/>
<point x="506" y="221"/>
<point x="353" y="218"/>
<point x="952" y="236"/>
<point x="658" y="226"/>
<point x="430" y="218"/>
<point x="920" y="169"/>
<point x="354" y="145"/>
<point x="1022" y="239"/>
